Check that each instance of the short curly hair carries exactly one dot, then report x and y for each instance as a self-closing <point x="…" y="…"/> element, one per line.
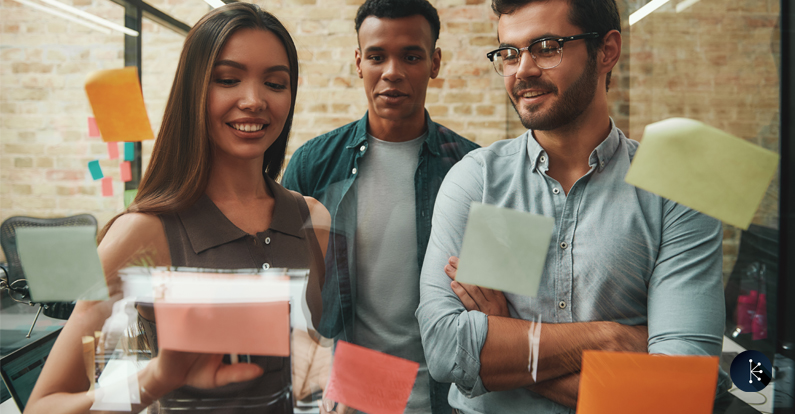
<point x="395" y="9"/>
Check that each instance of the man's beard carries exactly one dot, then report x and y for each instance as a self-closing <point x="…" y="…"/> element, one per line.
<point x="572" y="103"/>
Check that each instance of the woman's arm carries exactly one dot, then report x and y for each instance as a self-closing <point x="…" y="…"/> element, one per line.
<point x="321" y="224"/>
<point x="63" y="384"/>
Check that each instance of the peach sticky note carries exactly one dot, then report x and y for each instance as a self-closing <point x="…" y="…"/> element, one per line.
<point x="370" y="381"/>
<point x="113" y="150"/>
<point x="624" y="383"/>
<point x="107" y="187"/>
<point x="118" y="105"/>
<point x="126" y="171"/>
<point x="93" y="130"/>
<point x="224" y="328"/>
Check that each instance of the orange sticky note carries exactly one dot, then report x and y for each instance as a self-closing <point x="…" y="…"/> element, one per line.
<point x="118" y="104"/>
<point x="126" y="171"/>
<point x="93" y="130"/>
<point x="107" y="186"/>
<point x="113" y="150"/>
<point x="624" y="383"/>
<point x="370" y="381"/>
<point x="224" y="328"/>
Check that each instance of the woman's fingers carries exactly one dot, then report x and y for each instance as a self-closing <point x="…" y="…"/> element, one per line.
<point x="227" y="374"/>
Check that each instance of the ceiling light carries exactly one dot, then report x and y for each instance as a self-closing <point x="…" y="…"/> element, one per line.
<point x="645" y="10"/>
<point x="681" y="6"/>
<point x="93" y="18"/>
<point x="64" y="16"/>
<point x="215" y="3"/>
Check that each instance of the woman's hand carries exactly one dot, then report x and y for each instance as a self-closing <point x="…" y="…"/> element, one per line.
<point x="174" y="369"/>
<point x="489" y="301"/>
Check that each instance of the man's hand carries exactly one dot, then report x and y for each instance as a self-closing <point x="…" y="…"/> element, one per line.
<point x="489" y="301"/>
<point x="174" y="369"/>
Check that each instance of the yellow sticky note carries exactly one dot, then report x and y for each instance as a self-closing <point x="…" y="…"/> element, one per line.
<point x="631" y="383"/>
<point x="703" y="168"/>
<point x="118" y="105"/>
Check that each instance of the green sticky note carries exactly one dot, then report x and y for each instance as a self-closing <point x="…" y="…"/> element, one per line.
<point x="95" y="170"/>
<point x="504" y="249"/>
<point x="129" y="151"/>
<point x="129" y="196"/>
<point x="61" y="264"/>
<point x="703" y="168"/>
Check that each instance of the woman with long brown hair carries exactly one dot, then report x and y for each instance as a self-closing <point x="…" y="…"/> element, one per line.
<point x="208" y="199"/>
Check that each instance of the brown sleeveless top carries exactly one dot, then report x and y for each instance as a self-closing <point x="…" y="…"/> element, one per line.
<point x="202" y="236"/>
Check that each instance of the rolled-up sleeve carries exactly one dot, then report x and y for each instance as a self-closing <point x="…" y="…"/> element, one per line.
<point x="451" y="336"/>
<point x="685" y="303"/>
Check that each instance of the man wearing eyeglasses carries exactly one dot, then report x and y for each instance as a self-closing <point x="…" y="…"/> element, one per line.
<point x="626" y="270"/>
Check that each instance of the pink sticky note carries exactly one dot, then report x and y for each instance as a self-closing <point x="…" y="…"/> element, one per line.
<point x="93" y="129"/>
<point x="113" y="150"/>
<point x="107" y="186"/>
<point x="627" y="382"/>
<point x="225" y="328"/>
<point x="370" y="381"/>
<point x="126" y="169"/>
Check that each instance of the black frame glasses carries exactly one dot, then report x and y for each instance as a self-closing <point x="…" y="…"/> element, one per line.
<point x="546" y="52"/>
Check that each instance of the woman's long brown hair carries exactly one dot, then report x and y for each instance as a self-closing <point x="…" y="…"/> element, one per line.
<point x="182" y="157"/>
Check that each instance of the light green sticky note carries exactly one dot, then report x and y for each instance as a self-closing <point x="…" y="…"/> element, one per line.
<point x="61" y="264"/>
<point x="703" y="168"/>
<point x="129" y="196"/>
<point x="504" y="249"/>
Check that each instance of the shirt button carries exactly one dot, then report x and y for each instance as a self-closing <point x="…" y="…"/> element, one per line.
<point x="353" y="171"/>
<point x="564" y="245"/>
<point x="266" y="266"/>
<point x="362" y="148"/>
<point x="562" y="304"/>
<point x="602" y="164"/>
<point x="542" y="159"/>
<point x="267" y="240"/>
<point x="555" y="191"/>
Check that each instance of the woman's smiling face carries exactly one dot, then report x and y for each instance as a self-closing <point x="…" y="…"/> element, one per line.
<point x="249" y="96"/>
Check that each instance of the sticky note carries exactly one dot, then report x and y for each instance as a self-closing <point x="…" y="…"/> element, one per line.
<point x="504" y="249"/>
<point x="624" y="383"/>
<point x="107" y="187"/>
<point x="126" y="171"/>
<point x="703" y="168"/>
<point x="129" y="196"/>
<point x="129" y="151"/>
<point x="118" y="105"/>
<point x="113" y="150"/>
<point x="95" y="170"/>
<point x="61" y="263"/>
<point x="224" y="328"/>
<point x="93" y="130"/>
<point x="370" y="381"/>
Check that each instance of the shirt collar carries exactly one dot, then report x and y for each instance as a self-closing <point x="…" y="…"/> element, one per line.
<point x="432" y="141"/>
<point x="207" y="227"/>
<point x="600" y="156"/>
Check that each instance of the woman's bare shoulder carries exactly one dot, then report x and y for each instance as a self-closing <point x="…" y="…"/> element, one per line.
<point x="133" y="237"/>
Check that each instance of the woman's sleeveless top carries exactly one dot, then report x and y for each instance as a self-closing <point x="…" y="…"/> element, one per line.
<point x="203" y="237"/>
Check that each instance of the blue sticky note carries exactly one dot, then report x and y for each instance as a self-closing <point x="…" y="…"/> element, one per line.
<point x="95" y="169"/>
<point x="129" y="151"/>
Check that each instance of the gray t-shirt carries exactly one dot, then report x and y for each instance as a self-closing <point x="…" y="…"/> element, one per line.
<point x="387" y="272"/>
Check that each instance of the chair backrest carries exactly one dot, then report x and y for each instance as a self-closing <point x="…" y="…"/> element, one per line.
<point x="8" y="236"/>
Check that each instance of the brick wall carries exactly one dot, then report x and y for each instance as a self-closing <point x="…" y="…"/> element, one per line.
<point x="675" y="66"/>
<point x="715" y="62"/>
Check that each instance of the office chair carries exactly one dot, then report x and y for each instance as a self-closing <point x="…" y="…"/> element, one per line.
<point x="15" y="283"/>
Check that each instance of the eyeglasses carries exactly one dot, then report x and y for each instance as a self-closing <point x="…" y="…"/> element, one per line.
<point x="546" y="52"/>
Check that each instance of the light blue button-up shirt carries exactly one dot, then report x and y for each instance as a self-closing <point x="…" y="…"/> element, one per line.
<point x="617" y="253"/>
